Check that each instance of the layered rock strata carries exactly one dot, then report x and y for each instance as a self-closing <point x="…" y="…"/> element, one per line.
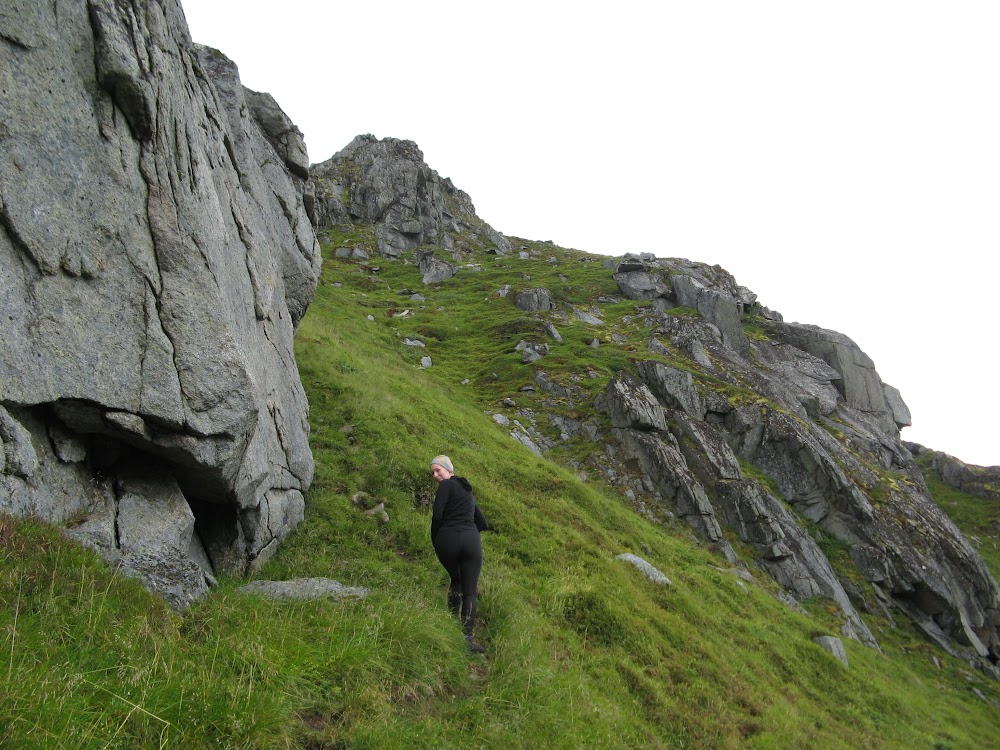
<point x="805" y="408"/>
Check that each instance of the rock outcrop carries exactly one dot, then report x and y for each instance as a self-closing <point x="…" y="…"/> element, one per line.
<point x="806" y="408"/>
<point x="386" y="183"/>
<point x="156" y="254"/>
<point x="981" y="481"/>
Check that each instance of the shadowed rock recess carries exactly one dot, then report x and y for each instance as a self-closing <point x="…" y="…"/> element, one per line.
<point x="779" y="435"/>
<point x="156" y="254"/>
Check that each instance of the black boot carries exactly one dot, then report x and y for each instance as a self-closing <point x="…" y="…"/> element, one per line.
<point x="470" y="626"/>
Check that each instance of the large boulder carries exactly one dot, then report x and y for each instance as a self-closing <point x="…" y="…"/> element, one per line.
<point x="536" y="299"/>
<point x="718" y="306"/>
<point x="859" y="383"/>
<point x="640" y="284"/>
<point x="156" y="255"/>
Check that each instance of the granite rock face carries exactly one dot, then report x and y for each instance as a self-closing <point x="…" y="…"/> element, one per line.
<point x="806" y="408"/>
<point x="156" y="254"/>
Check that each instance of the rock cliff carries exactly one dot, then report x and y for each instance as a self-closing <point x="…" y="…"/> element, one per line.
<point x="806" y="407"/>
<point x="778" y="443"/>
<point x="156" y="253"/>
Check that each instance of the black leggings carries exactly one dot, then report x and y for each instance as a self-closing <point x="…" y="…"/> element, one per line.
<point x="461" y="553"/>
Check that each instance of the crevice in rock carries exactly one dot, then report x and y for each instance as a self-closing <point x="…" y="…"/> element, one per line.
<point x="21" y="243"/>
<point x="117" y="530"/>
<point x="292" y="218"/>
<point x="275" y="413"/>
<point x="232" y="156"/>
<point x="217" y="526"/>
<point x="16" y="43"/>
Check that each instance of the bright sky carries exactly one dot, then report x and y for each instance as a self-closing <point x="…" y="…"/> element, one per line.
<point x="841" y="160"/>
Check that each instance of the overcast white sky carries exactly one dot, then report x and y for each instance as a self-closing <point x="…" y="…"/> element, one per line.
<point x="841" y="160"/>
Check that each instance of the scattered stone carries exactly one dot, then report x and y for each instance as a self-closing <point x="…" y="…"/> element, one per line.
<point x="418" y="298"/>
<point x="304" y="588"/>
<point x="673" y="387"/>
<point x="379" y="512"/>
<point x="501" y="420"/>
<point x="509" y="403"/>
<point x="524" y="439"/>
<point x="630" y="264"/>
<point x="537" y="299"/>
<point x="425" y="361"/>
<point x="413" y="342"/>
<point x="642" y="285"/>
<point x="595" y="344"/>
<point x="69" y="447"/>
<point x="742" y="574"/>
<point x="556" y="389"/>
<point x="834" y="645"/>
<point x="435" y="270"/>
<point x="532" y="352"/>
<point x="586" y="317"/>
<point x="466" y="381"/>
<point x="504" y="290"/>
<point x="355" y="253"/>
<point x="371" y="318"/>
<point x="648" y="570"/>
<point x="552" y="332"/>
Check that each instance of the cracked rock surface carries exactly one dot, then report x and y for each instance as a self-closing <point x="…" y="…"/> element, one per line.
<point x="156" y="254"/>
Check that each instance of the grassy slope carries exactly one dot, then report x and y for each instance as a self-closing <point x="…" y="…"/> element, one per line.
<point x="583" y="650"/>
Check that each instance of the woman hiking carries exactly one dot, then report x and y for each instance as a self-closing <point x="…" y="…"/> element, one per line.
<point x="455" y="526"/>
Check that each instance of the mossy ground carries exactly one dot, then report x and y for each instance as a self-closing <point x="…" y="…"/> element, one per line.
<point x="583" y="651"/>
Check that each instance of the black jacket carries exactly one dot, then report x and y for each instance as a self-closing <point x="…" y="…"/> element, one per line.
<point x="455" y="508"/>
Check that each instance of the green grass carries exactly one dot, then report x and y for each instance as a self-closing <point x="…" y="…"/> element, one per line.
<point x="583" y="651"/>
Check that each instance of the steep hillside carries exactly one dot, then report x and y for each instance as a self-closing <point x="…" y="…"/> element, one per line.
<point x="672" y="383"/>
<point x="706" y="531"/>
<point x="583" y="649"/>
